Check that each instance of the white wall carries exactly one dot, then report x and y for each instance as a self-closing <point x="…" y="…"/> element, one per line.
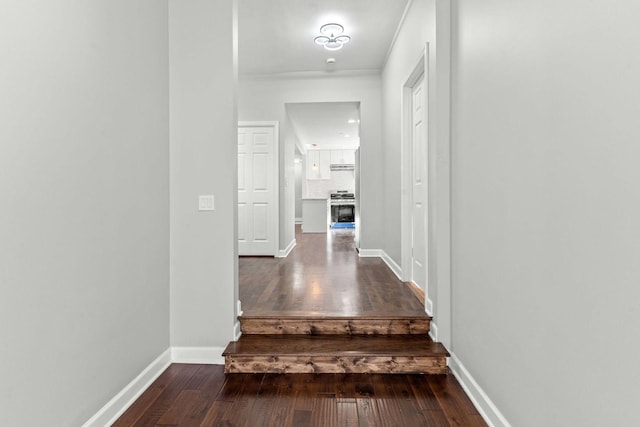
<point x="263" y="98"/>
<point x="84" y="201"/>
<point x="546" y="201"/>
<point x="203" y="161"/>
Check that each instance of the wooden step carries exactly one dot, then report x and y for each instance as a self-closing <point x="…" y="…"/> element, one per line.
<point x="332" y="325"/>
<point x="401" y="354"/>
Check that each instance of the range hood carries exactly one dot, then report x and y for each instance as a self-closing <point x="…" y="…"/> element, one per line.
<point x="342" y="167"/>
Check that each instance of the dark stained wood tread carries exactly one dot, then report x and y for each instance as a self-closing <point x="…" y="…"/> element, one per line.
<point x="348" y="345"/>
<point x="323" y="325"/>
<point x="290" y="354"/>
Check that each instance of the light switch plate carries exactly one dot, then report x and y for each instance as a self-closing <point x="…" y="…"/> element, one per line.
<point x="205" y="203"/>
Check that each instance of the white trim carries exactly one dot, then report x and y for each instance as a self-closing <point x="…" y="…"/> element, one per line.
<point x="395" y="35"/>
<point x="310" y="74"/>
<point x="370" y="253"/>
<point x="239" y="308"/>
<point x="489" y="411"/>
<point x="433" y="330"/>
<point x="110" y="412"/>
<point x="393" y="266"/>
<point x="237" y="331"/>
<point x="428" y="307"/>
<point x="298" y="220"/>
<point x="204" y="355"/>
<point x="283" y="253"/>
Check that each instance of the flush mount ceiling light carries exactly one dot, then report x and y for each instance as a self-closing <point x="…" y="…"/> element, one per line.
<point x="331" y="37"/>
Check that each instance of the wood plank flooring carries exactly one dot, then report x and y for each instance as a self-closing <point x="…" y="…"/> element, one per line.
<point x="202" y="395"/>
<point x="324" y="276"/>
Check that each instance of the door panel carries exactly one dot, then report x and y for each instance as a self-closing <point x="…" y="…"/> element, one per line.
<point x="242" y="222"/>
<point x="256" y="191"/>
<point x="260" y="169"/>
<point x="260" y="222"/>
<point x="419" y="190"/>
<point x="242" y="171"/>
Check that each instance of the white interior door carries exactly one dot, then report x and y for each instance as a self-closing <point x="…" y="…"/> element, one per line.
<point x="257" y="191"/>
<point x="419" y="186"/>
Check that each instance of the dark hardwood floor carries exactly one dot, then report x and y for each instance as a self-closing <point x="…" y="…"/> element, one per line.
<point x="324" y="276"/>
<point x="202" y="395"/>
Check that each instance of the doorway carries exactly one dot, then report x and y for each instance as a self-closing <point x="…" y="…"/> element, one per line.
<point x="326" y="136"/>
<point x="435" y="190"/>
<point x="418" y="185"/>
<point x="415" y="206"/>
<point x="258" y="195"/>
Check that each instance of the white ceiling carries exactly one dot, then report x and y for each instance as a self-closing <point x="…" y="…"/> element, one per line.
<point x="276" y="36"/>
<point x="325" y="124"/>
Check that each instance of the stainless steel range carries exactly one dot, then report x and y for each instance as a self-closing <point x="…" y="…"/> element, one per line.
<point x="343" y="204"/>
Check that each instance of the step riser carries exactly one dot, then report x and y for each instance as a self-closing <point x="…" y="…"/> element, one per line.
<point x="334" y="326"/>
<point x="336" y="365"/>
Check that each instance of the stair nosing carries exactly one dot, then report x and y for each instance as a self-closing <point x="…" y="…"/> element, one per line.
<point x="331" y="317"/>
<point x="436" y="348"/>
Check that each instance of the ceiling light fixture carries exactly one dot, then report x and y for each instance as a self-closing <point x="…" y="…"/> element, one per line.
<point x="331" y="37"/>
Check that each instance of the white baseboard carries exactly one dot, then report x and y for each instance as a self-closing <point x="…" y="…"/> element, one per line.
<point x="393" y="266"/>
<point x="239" y="308"/>
<point x="481" y="401"/>
<point x="204" y="355"/>
<point x="236" y="331"/>
<point x="433" y="330"/>
<point x="298" y="221"/>
<point x="429" y="306"/>
<point x="110" y="412"/>
<point x="370" y="253"/>
<point x="285" y="253"/>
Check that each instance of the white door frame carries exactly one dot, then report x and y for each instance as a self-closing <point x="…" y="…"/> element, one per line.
<point x="438" y="295"/>
<point x="276" y="176"/>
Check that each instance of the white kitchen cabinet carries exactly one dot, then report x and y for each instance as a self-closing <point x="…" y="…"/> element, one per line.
<point x="313" y="164"/>
<point x="337" y="157"/>
<point x="349" y="157"/>
<point x="314" y="215"/>
<point x="343" y="157"/>
<point x="319" y="164"/>
<point x="325" y="164"/>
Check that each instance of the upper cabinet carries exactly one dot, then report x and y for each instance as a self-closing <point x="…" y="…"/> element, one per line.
<point x="318" y="164"/>
<point x="325" y="164"/>
<point x="313" y="164"/>
<point x="343" y="157"/>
